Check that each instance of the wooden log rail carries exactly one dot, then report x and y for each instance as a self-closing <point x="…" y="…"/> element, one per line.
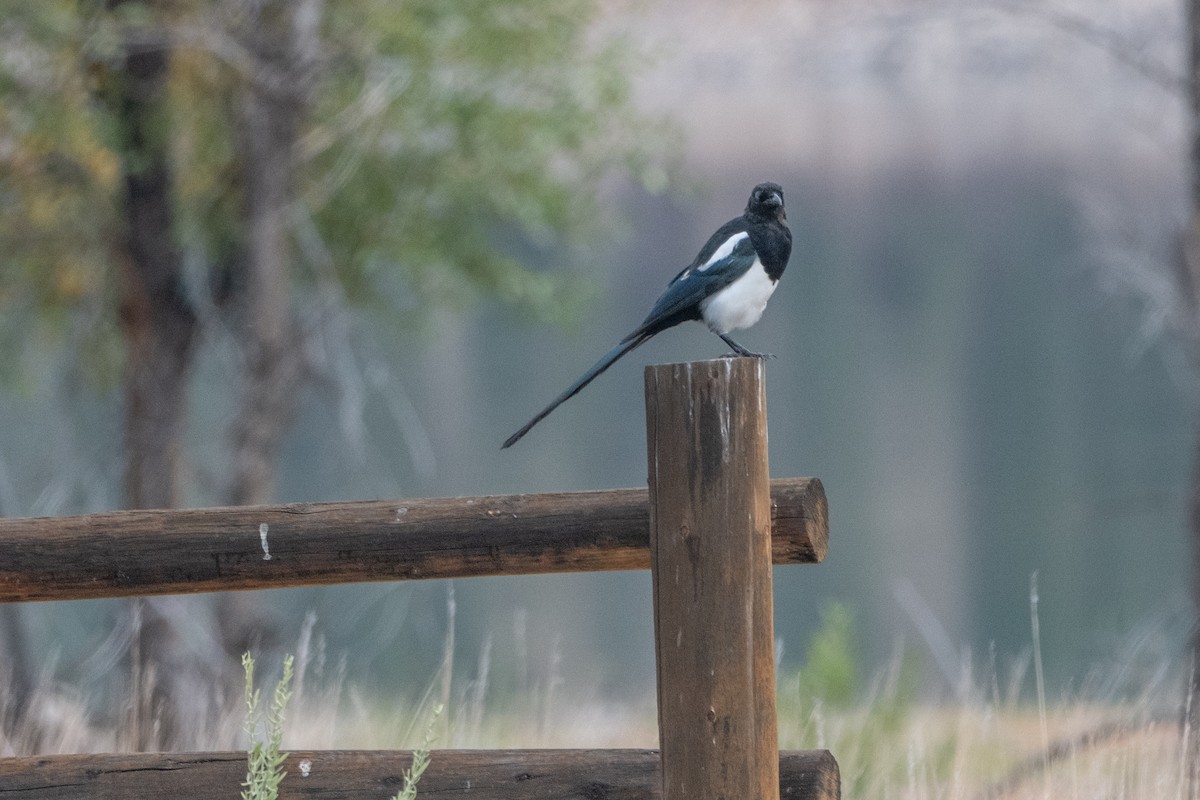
<point x="132" y="553"/>
<point x="342" y="774"/>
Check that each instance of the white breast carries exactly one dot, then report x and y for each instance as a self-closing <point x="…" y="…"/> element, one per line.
<point x="741" y="303"/>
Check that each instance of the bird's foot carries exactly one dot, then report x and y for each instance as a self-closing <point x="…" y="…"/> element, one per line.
<point x="738" y="350"/>
<point x="744" y="353"/>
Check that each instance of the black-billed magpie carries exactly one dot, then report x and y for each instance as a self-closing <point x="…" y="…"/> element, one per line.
<point x="727" y="286"/>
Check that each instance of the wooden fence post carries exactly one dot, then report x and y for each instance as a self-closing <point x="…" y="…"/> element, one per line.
<point x="710" y="551"/>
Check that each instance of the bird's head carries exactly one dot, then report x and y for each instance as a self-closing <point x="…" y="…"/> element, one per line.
<point x="766" y="200"/>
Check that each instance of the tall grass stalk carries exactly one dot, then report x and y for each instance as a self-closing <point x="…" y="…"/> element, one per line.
<point x="1040" y="680"/>
<point x="264" y="770"/>
<point x="1185" y="744"/>
<point x="420" y="759"/>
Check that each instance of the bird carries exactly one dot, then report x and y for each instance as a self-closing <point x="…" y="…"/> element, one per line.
<point x="726" y="286"/>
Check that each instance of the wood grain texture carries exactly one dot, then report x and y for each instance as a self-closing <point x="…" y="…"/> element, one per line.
<point x="710" y="549"/>
<point x="359" y="774"/>
<point x="129" y="553"/>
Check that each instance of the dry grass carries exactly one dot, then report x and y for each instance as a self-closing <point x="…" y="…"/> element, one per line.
<point x="890" y="744"/>
<point x="906" y="752"/>
<point x="939" y="752"/>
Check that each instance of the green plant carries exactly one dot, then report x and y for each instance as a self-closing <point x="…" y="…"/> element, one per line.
<point x="264" y="771"/>
<point x="420" y="760"/>
<point x="830" y="671"/>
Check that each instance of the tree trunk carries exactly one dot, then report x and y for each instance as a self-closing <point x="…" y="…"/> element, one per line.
<point x="14" y="673"/>
<point x="1189" y="281"/>
<point x="157" y="321"/>
<point x="281" y="36"/>
<point x="159" y="328"/>
<point x="1191" y="709"/>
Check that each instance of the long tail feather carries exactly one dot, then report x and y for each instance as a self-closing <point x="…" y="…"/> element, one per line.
<point x="635" y="340"/>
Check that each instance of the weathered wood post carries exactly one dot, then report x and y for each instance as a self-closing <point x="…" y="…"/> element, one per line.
<point x="710" y="551"/>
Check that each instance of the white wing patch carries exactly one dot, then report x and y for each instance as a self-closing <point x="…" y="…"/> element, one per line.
<point x="723" y="251"/>
<point x="741" y="303"/>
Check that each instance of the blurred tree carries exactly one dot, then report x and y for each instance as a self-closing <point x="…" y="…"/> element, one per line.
<point x="1176" y="297"/>
<point x="1180" y="308"/>
<point x="171" y="169"/>
<point x="242" y="159"/>
<point x="1188" y="282"/>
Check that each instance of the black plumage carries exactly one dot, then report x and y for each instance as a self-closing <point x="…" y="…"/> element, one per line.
<point x="726" y="286"/>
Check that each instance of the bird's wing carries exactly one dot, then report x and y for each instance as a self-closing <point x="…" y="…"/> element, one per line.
<point x="721" y="237"/>
<point x="726" y="262"/>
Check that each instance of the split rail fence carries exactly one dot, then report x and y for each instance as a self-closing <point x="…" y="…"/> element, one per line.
<point x="709" y="527"/>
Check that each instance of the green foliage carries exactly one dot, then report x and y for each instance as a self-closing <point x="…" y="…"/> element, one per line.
<point x="828" y="685"/>
<point x="830" y="670"/>
<point x="456" y="130"/>
<point x="444" y="144"/>
<point x="420" y="761"/>
<point x="58" y="183"/>
<point x="264" y="771"/>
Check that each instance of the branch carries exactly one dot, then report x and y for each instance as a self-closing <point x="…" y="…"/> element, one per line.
<point x="1111" y="41"/>
<point x="1063" y="749"/>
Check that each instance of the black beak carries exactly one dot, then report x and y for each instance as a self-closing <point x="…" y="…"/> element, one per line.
<point x="774" y="199"/>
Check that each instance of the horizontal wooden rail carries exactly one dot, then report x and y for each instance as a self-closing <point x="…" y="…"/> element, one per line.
<point x="473" y="774"/>
<point x="128" y="553"/>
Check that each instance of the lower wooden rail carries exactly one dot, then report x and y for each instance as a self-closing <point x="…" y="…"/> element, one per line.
<point x="336" y="774"/>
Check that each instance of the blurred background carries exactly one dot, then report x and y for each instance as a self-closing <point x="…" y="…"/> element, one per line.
<point x="255" y="251"/>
